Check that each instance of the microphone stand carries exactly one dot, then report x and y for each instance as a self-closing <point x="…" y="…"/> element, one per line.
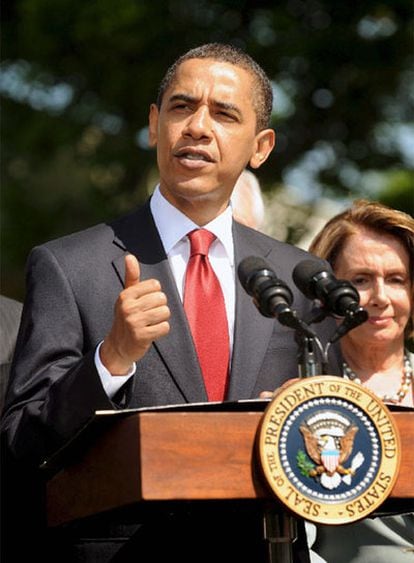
<point x="307" y="361"/>
<point x="280" y="532"/>
<point x="308" y="364"/>
<point x="280" y="527"/>
<point x="273" y="299"/>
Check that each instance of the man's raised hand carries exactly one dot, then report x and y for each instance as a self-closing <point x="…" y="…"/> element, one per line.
<point x="140" y="316"/>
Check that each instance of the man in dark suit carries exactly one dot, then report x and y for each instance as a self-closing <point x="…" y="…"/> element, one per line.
<point x="104" y="325"/>
<point x="10" y="313"/>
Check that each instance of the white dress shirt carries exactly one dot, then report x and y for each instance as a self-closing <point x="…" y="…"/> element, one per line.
<point x="173" y="227"/>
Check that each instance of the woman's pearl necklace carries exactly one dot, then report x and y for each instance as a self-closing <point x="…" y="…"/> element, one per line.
<point x="400" y="394"/>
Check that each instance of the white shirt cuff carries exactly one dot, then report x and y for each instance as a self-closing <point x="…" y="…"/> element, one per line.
<point x="111" y="383"/>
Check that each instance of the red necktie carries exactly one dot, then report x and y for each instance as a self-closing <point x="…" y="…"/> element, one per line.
<point x="206" y="313"/>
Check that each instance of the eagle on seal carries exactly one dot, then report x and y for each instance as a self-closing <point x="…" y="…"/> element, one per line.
<point x="329" y="451"/>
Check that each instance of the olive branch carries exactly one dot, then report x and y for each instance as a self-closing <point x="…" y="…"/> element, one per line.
<point x="304" y="463"/>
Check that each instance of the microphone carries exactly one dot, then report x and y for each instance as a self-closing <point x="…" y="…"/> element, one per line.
<point x="339" y="297"/>
<point x="273" y="298"/>
<point x="271" y="295"/>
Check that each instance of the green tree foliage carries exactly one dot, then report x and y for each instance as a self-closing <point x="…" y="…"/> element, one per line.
<point x="78" y="77"/>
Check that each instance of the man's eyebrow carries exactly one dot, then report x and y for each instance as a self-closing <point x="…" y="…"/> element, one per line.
<point x="182" y="98"/>
<point x="228" y="107"/>
<point x="193" y="100"/>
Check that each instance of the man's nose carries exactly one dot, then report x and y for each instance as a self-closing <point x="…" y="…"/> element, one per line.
<point x="199" y="123"/>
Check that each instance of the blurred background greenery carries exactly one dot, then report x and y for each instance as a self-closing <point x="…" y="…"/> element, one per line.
<point x="77" y="78"/>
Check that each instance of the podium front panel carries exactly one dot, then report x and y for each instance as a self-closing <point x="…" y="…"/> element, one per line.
<point x="178" y="456"/>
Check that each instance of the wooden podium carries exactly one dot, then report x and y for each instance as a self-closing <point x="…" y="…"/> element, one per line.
<point x="178" y="456"/>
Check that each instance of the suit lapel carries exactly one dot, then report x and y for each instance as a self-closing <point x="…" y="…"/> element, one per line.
<point x="177" y="349"/>
<point x="252" y="330"/>
<point x="137" y="234"/>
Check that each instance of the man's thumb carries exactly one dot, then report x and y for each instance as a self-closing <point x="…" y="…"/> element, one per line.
<point x="131" y="270"/>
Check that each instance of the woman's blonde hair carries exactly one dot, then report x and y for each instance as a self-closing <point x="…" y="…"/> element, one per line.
<point x="372" y="215"/>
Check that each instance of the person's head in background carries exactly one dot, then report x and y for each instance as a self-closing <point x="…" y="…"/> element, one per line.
<point x="372" y="245"/>
<point x="247" y="201"/>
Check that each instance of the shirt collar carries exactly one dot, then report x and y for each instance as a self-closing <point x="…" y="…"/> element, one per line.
<point x="173" y="225"/>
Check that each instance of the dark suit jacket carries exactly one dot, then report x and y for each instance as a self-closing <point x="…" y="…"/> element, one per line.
<point x="10" y="313"/>
<point x="72" y="285"/>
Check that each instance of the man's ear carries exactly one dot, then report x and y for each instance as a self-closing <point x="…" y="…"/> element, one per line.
<point x="264" y="144"/>
<point x="153" y="125"/>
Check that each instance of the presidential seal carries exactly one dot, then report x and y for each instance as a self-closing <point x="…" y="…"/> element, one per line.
<point x="329" y="449"/>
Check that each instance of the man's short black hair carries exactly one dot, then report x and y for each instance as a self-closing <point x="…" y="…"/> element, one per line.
<point x="262" y="89"/>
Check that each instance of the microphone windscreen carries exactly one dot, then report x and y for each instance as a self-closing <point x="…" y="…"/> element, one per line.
<point x="304" y="272"/>
<point x="249" y="266"/>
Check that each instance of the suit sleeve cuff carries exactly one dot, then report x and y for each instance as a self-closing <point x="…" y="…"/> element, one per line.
<point x="110" y="383"/>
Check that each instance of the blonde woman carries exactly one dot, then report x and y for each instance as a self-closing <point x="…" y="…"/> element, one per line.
<point x="372" y="245"/>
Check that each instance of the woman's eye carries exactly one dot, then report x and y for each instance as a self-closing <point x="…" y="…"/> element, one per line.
<point x="359" y="280"/>
<point x="397" y="280"/>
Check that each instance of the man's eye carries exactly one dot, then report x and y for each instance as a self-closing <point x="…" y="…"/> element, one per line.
<point x="226" y="116"/>
<point x="180" y="105"/>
